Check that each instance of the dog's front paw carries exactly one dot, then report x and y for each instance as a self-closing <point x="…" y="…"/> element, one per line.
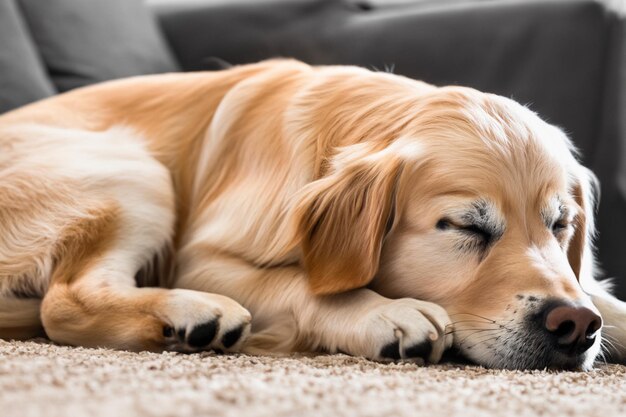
<point x="196" y="321"/>
<point x="404" y="329"/>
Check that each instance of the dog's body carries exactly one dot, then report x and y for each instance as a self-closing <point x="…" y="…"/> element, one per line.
<point x="345" y="210"/>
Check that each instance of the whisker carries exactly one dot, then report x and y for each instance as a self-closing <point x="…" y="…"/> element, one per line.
<point x="470" y="329"/>
<point x="605" y="345"/>
<point x="475" y="315"/>
<point x="613" y="340"/>
<point x="479" y="331"/>
<point x="485" y="321"/>
<point x="483" y="341"/>
<point x="612" y="344"/>
<point x="604" y="350"/>
<point x="469" y="321"/>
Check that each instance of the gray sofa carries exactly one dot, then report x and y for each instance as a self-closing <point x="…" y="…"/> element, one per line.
<point x="565" y="59"/>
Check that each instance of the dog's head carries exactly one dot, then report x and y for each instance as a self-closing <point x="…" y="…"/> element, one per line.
<point x="477" y="205"/>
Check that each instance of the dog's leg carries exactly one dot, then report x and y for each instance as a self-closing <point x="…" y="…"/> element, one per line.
<point x="86" y="211"/>
<point x="86" y="313"/>
<point x="19" y="318"/>
<point x="287" y="316"/>
<point x="92" y="300"/>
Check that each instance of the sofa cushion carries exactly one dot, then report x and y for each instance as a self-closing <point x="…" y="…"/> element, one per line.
<point x="23" y="78"/>
<point x="87" y="41"/>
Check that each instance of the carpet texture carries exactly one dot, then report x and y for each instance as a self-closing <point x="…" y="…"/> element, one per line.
<point x="42" y="379"/>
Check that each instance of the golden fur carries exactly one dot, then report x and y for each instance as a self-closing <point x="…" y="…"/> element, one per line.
<point x="324" y="200"/>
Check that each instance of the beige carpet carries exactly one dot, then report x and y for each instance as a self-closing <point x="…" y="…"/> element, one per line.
<point x="40" y="379"/>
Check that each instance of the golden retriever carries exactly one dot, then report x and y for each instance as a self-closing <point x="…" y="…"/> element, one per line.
<point x="281" y="207"/>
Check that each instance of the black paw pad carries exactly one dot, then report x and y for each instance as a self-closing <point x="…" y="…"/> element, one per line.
<point x="203" y="334"/>
<point x="232" y="336"/>
<point x="168" y="332"/>
<point x="391" y="351"/>
<point x="421" y="350"/>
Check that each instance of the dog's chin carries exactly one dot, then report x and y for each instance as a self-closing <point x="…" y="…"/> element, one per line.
<point x="526" y="354"/>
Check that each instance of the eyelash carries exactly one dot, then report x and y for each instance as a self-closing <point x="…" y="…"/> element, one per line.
<point x="473" y="230"/>
<point x="559" y="226"/>
<point x="480" y="238"/>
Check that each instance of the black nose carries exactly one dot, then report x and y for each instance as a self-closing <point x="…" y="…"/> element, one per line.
<point x="572" y="328"/>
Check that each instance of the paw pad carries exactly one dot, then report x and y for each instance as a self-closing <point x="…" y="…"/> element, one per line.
<point x="391" y="351"/>
<point x="232" y="336"/>
<point x="203" y="334"/>
<point x="421" y="350"/>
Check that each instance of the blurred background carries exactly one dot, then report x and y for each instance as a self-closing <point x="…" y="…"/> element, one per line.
<point x="565" y="59"/>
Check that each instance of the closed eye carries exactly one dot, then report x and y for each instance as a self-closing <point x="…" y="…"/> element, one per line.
<point x="559" y="226"/>
<point x="471" y="229"/>
<point x="478" y="231"/>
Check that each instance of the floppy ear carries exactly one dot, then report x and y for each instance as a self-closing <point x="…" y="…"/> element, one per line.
<point x="343" y="220"/>
<point x="575" y="250"/>
<point x="584" y="192"/>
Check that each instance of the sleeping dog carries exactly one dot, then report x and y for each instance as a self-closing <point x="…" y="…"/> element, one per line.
<point x="280" y="207"/>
